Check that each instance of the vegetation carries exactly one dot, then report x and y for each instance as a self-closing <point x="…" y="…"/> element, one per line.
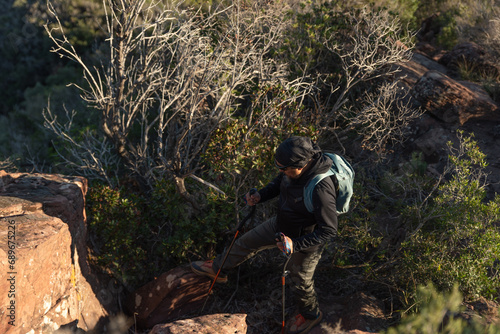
<point x="180" y="108"/>
<point x="450" y="236"/>
<point x="459" y="243"/>
<point x="131" y="232"/>
<point x="440" y="313"/>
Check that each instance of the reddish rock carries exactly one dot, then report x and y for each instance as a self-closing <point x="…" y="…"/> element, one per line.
<point x="46" y="212"/>
<point x="411" y="71"/>
<point x="208" y="324"/>
<point x="173" y="294"/>
<point x="472" y="57"/>
<point x="452" y="101"/>
<point x="433" y="144"/>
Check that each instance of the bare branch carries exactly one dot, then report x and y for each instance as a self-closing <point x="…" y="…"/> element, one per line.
<point x="384" y="118"/>
<point x="208" y="184"/>
<point x="374" y="45"/>
<point x="90" y="155"/>
<point x="174" y="76"/>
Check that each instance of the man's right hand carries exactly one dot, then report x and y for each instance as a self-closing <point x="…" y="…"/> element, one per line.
<point x="252" y="197"/>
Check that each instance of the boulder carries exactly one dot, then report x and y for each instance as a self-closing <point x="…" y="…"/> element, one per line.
<point x="471" y="57"/>
<point x="433" y="144"/>
<point x="452" y="101"/>
<point x="43" y="283"/>
<point x="208" y="324"/>
<point x="411" y="71"/>
<point x="173" y="294"/>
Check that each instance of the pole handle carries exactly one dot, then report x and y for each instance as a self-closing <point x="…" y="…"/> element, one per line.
<point x="244" y="220"/>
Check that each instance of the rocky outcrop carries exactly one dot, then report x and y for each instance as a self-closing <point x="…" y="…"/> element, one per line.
<point x="173" y="294"/>
<point x="435" y="87"/>
<point x="471" y="57"/>
<point x="452" y="101"/>
<point x="209" y="324"/>
<point x="450" y="104"/>
<point x="44" y="282"/>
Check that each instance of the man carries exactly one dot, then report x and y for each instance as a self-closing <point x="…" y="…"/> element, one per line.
<point x="298" y="160"/>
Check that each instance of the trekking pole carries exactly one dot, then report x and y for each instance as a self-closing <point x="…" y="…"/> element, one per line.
<point x="238" y="230"/>
<point x="286" y="251"/>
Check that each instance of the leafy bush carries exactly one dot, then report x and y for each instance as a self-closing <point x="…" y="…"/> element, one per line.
<point x="303" y="45"/>
<point x="448" y="35"/>
<point x="116" y="226"/>
<point x="136" y="238"/>
<point x="438" y="313"/>
<point x="458" y="241"/>
<point x="410" y="228"/>
<point x="405" y="10"/>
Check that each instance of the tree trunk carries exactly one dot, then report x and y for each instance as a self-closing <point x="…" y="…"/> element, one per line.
<point x="181" y="189"/>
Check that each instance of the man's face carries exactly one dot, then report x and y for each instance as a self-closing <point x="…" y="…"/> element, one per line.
<point x="291" y="172"/>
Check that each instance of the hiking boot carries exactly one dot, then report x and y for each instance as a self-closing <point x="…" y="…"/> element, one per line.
<point x="204" y="268"/>
<point x="301" y="325"/>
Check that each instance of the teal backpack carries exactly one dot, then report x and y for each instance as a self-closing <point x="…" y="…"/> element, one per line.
<point x="345" y="176"/>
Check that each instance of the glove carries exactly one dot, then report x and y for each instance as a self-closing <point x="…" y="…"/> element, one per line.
<point x="284" y="243"/>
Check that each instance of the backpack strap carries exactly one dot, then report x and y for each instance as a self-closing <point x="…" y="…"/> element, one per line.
<point x="308" y="190"/>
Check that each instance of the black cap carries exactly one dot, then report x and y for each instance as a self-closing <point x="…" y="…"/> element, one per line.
<point x="296" y="152"/>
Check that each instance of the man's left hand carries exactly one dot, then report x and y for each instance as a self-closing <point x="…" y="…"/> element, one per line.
<point x="288" y="248"/>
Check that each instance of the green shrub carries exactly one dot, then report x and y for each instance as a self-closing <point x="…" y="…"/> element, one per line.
<point x="439" y="313"/>
<point x="409" y="229"/>
<point x="405" y="10"/>
<point x="358" y="232"/>
<point x="303" y="45"/>
<point x="137" y="237"/>
<point x="115" y="225"/>
<point x="185" y="234"/>
<point x="448" y="35"/>
<point x="457" y="243"/>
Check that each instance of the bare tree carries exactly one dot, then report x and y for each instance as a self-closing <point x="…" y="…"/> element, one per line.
<point x="91" y="155"/>
<point x="372" y="43"/>
<point x="172" y="77"/>
<point x="384" y="117"/>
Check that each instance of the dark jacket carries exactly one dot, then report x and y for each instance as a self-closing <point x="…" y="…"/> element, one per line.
<point x="307" y="230"/>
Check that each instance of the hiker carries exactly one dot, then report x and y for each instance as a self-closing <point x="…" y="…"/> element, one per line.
<point x="298" y="160"/>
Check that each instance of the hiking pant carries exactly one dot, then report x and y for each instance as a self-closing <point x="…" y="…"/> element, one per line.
<point x="301" y="265"/>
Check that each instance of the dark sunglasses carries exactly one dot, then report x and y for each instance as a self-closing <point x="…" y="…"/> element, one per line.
<point x="282" y="168"/>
